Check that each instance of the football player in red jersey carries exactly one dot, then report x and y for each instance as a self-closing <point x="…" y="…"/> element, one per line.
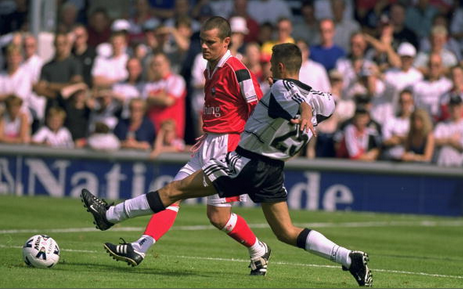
<point x="231" y="93"/>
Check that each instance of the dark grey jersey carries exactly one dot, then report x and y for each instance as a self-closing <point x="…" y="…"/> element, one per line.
<point x="269" y="131"/>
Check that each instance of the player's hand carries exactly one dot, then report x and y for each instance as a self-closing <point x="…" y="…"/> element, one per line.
<point x="270" y="80"/>
<point x="305" y="125"/>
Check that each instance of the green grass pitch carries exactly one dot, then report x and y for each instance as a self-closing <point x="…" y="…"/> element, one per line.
<point x="406" y="251"/>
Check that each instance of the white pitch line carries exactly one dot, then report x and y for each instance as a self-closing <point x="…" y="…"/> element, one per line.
<point x="278" y="263"/>
<point x="425" y="223"/>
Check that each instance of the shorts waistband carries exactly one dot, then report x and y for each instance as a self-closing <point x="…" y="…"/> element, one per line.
<point x="251" y="155"/>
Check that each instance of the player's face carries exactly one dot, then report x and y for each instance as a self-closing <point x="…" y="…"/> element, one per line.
<point x="275" y="68"/>
<point x="212" y="47"/>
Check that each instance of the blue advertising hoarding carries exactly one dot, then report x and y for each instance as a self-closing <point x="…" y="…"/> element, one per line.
<point x="328" y="190"/>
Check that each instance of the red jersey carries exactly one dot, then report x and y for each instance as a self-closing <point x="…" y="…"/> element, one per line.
<point x="174" y="85"/>
<point x="231" y="93"/>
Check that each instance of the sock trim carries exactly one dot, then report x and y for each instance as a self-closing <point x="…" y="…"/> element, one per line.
<point x="230" y="225"/>
<point x="154" y="201"/>
<point x="302" y="238"/>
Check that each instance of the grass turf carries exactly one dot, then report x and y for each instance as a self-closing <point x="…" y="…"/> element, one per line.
<point x="406" y="251"/>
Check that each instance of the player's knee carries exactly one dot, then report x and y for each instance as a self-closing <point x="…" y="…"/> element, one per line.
<point x="286" y="235"/>
<point x="217" y="220"/>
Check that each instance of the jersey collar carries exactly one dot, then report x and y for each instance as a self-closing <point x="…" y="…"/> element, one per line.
<point x="222" y="61"/>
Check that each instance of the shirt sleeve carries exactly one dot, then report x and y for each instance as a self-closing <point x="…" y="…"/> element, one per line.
<point x="285" y="100"/>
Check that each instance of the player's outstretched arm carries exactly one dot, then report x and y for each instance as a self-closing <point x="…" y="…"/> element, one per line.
<point x="305" y="120"/>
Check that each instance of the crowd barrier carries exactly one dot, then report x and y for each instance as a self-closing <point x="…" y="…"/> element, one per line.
<point x="320" y="184"/>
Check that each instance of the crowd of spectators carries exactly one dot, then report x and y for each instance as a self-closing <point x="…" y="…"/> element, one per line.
<point x="129" y="74"/>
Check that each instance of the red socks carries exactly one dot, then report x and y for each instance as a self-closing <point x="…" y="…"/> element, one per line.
<point x="161" y="222"/>
<point x="238" y="229"/>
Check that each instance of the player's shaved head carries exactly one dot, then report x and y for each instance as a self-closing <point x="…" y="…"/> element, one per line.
<point x="220" y="23"/>
<point x="289" y="54"/>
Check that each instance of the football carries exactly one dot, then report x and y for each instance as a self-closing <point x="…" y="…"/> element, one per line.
<point x="41" y="251"/>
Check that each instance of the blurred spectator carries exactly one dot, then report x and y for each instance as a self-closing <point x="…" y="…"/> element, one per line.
<point x="139" y="17"/>
<point x="398" y="79"/>
<point x="83" y="53"/>
<point x="162" y="9"/>
<point x="382" y="50"/>
<point x="107" y="71"/>
<point x="238" y="31"/>
<point x="174" y="41"/>
<point x="240" y="8"/>
<point x="307" y="27"/>
<point x="54" y="134"/>
<point x="456" y="75"/>
<point x="396" y="128"/>
<point x="74" y="99"/>
<point x="32" y="62"/>
<point x="120" y="27"/>
<point x="102" y="139"/>
<point x="67" y="17"/>
<point x="351" y="65"/>
<point x="196" y="96"/>
<point x="456" y="25"/>
<point x="131" y="87"/>
<point x="265" y="33"/>
<point x="99" y="30"/>
<point x="323" y="9"/>
<point x="182" y="11"/>
<point x="438" y="39"/>
<point x="167" y="140"/>
<point x="451" y="44"/>
<point x="14" y="124"/>
<point x="61" y="71"/>
<point x="137" y="131"/>
<point x="420" y="143"/>
<point x="449" y="135"/>
<point x="284" y="30"/>
<point x="269" y="10"/>
<point x="253" y="59"/>
<point x="222" y="8"/>
<point x="345" y="27"/>
<point x="15" y="80"/>
<point x="419" y="18"/>
<point x="165" y="94"/>
<point x="345" y="108"/>
<point x="401" y="32"/>
<point x="105" y="109"/>
<point x="311" y="72"/>
<point x="427" y="92"/>
<point x="360" y="141"/>
<point x="13" y="16"/>
<point x="327" y="53"/>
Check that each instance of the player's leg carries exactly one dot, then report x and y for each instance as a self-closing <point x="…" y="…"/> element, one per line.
<point x="221" y="216"/>
<point x="278" y="217"/>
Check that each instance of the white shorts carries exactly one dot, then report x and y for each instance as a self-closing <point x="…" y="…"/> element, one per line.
<point x="213" y="146"/>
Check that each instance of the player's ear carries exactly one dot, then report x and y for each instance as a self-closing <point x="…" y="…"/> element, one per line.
<point x="227" y="41"/>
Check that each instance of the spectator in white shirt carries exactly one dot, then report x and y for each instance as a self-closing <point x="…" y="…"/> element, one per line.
<point x="438" y="39"/>
<point x="351" y="65"/>
<point x="398" y="79"/>
<point x="395" y="128"/>
<point x="15" y="80"/>
<point x="312" y="73"/>
<point x="428" y="91"/>
<point x="14" y="124"/>
<point x="110" y="70"/>
<point x="130" y="88"/>
<point x="449" y="135"/>
<point x="54" y="134"/>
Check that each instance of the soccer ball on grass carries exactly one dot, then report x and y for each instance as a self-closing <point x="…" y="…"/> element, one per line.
<point x="41" y="251"/>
